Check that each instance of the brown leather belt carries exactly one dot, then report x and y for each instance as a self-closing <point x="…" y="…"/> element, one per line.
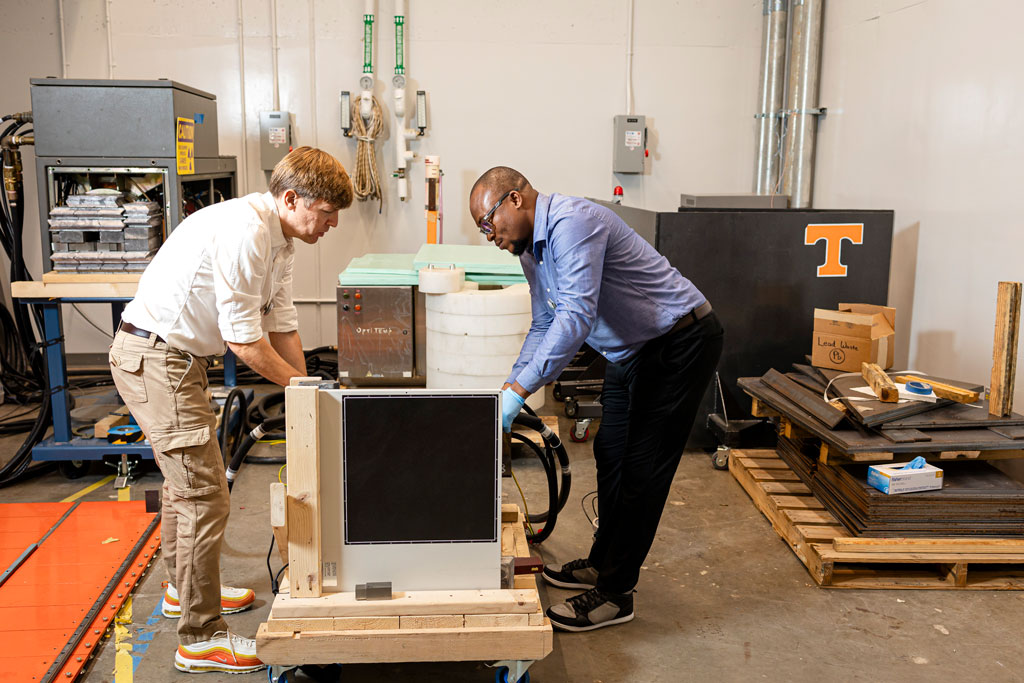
<point x="690" y="318"/>
<point x="138" y="331"/>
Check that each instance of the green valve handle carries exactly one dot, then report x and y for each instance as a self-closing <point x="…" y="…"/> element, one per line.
<point x="367" y="43"/>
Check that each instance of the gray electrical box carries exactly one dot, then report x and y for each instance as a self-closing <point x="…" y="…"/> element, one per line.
<point x="275" y="137"/>
<point x="629" y="143"/>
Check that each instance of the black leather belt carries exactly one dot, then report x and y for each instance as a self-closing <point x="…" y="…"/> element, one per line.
<point x="138" y="331"/>
<point x="702" y="311"/>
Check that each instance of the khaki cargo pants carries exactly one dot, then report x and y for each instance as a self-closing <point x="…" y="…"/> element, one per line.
<point x="165" y="390"/>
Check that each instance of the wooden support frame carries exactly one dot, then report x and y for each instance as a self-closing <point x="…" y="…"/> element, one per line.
<point x="1004" y="349"/>
<point x="303" y="501"/>
<point x="879" y="382"/>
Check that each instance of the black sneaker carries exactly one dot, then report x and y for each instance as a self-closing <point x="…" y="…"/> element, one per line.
<point x="591" y="610"/>
<point x="575" y="574"/>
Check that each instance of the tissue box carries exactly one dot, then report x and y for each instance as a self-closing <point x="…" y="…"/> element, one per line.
<point x="854" y="334"/>
<point x="894" y="479"/>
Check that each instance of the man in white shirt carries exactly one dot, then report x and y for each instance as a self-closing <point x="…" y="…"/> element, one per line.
<point x="223" y="277"/>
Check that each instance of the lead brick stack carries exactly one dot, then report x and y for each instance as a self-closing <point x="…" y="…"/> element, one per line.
<point x="143" y="229"/>
<point x="85" y="233"/>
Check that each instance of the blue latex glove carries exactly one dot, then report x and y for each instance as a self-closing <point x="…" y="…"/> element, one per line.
<point x="511" y="404"/>
<point x="915" y="464"/>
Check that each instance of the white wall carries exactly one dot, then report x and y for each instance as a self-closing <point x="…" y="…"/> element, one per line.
<point x="924" y="99"/>
<point x="532" y="84"/>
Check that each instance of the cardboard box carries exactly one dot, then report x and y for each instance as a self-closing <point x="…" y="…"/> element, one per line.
<point x="893" y="479"/>
<point x="854" y="334"/>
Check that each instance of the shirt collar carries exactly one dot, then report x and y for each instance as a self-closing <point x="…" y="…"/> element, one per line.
<point x="540" y="223"/>
<point x="277" y="237"/>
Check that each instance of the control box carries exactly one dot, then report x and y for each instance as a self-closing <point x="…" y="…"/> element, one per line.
<point x="629" y="143"/>
<point x="275" y="137"/>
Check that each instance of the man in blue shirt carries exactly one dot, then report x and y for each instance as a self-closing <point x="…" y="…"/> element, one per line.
<point x="594" y="280"/>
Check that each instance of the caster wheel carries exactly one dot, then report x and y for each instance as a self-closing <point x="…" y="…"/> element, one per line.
<point x="571" y="406"/>
<point x="556" y="394"/>
<point x="720" y="458"/>
<point x="579" y="438"/>
<point x="74" y="469"/>
<point x="501" y="676"/>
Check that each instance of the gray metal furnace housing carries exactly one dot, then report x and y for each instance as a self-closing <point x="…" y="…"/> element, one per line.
<point x="114" y="131"/>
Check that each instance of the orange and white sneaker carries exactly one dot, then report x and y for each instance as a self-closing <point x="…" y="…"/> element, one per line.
<point x="231" y="600"/>
<point x="225" y="652"/>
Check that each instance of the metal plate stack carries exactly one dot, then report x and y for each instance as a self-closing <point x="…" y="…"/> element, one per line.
<point x="101" y="232"/>
<point x="84" y="231"/>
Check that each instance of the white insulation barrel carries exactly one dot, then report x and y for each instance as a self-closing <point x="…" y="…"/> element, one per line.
<point x="474" y="337"/>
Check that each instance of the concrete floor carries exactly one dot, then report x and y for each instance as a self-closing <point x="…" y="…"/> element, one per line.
<point x="721" y="598"/>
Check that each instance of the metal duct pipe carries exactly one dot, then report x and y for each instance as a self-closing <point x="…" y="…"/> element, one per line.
<point x="801" y="116"/>
<point x="769" y="125"/>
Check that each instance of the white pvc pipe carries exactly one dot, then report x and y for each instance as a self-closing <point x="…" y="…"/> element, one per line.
<point x="629" y="60"/>
<point x="110" y="44"/>
<point x="63" y="47"/>
<point x="243" y="183"/>
<point x="273" y="51"/>
<point x="312" y="82"/>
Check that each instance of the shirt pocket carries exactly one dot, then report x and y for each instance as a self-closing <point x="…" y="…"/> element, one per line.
<point x="126" y="368"/>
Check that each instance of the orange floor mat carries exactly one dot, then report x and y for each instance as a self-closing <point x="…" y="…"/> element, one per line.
<point x="79" y="562"/>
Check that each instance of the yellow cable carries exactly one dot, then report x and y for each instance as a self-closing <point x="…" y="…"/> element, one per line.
<point x="279" y="473"/>
<point x="526" y="508"/>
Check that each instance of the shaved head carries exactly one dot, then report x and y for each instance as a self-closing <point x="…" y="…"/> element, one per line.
<point x="500" y="180"/>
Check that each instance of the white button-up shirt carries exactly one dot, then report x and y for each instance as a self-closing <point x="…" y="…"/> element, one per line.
<point x="223" y="275"/>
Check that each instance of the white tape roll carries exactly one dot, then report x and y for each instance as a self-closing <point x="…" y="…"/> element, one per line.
<point x="441" y="280"/>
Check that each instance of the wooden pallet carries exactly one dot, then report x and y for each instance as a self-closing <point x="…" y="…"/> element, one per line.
<point x="420" y="626"/>
<point x="836" y="560"/>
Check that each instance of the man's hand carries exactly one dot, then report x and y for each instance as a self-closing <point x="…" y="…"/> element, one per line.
<point x="511" y="404"/>
<point x="261" y="357"/>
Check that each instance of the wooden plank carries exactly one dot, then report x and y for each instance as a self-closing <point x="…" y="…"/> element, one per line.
<point x="880" y="383"/>
<point x="494" y="620"/>
<point x="409" y="603"/>
<point x="773" y="475"/>
<point x="303" y="509"/>
<point x="943" y="390"/>
<point x="432" y="621"/>
<point x="797" y="502"/>
<point x="809" y="402"/>
<point x="817" y="533"/>
<point x="84" y="290"/>
<point x="930" y="545"/>
<point x="759" y="409"/>
<point x="810" y="517"/>
<point x="279" y="518"/>
<point x="365" y="623"/>
<point x="79" y="278"/>
<point x="293" y="625"/>
<point x="765" y="464"/>
<point x="405" y="645"/>
<point x="789" y="487"/>
<point x="1004" y="350"/>
<point x="509" y="513"/>
<point x="958" y="455"/>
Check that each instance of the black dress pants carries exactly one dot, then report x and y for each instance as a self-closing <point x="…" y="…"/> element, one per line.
<point x="649" y="405"/>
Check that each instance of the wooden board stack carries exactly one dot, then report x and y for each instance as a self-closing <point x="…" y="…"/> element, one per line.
<point x="421" y="626"/>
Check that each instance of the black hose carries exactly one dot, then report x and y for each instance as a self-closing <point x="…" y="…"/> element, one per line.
<point x="242" y="449"/>
<point x="229" y="438"/>
<point x="558" y="492"/>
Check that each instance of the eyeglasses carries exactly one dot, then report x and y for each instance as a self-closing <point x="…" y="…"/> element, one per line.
<point x="485" y="225"/>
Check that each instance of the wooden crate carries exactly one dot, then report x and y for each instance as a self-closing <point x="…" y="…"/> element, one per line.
<point x="835" y="560"/>
<point x="417" y="626"/>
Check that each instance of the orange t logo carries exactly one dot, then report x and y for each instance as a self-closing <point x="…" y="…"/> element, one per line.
<point x="833" y="234"/>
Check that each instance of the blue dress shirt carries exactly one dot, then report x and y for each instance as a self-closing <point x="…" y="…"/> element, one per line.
<point x="592" y="278"/>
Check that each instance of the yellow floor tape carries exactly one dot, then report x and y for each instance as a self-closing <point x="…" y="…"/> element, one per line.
<point x="124" y="494"/>
<point x="90" y="488"/>
<point x="124" y="667"/>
